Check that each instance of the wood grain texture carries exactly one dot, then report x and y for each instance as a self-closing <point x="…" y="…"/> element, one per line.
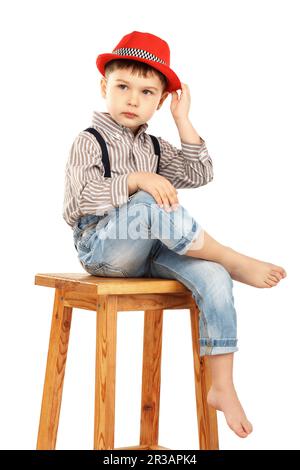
<point x="149" y="423"/>
<point x="109" y="285"/>
<point x="105" y="380"/>
<point x="55" y="371"/>
<point x="206" y="415"/>
<point x="107" y="297"/>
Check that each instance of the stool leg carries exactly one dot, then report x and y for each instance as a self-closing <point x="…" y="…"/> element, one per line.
<point x="106" y="342"/>
<point x="206" y="415"/>
<point x="55" y="371"/>
<point x="149" y="424"/>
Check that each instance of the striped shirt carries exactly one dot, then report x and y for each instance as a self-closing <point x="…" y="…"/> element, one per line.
<point x="87" y="191"/>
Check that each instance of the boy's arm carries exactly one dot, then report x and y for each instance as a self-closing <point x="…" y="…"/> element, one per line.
<point x="190" y="166"/>
<point x="187" y="132"/>
<point x="95" y="193"/>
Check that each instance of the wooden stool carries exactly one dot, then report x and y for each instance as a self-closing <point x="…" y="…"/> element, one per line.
<point x="107" y="296"/>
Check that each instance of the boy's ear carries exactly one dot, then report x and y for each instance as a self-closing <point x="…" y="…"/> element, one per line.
<point x="103" y="86"/>
<point x="162" y="99"/>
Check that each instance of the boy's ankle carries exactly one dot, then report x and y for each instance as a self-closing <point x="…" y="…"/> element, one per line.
<point x="221" y="387"/>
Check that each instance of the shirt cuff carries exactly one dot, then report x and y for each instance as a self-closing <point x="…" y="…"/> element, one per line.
<point x="119" y="190"/>
<point x="195" y="152"/>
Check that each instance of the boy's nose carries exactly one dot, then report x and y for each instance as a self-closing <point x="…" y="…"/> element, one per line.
<point x="133" y="100"/>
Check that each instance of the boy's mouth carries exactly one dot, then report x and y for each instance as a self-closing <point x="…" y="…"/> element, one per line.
<point x="130" y="115"/>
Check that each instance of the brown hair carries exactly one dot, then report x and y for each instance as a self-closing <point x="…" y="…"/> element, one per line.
<point x="141" y="68"/>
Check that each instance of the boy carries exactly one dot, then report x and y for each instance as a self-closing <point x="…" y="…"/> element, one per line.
<point x="137" y="79"/>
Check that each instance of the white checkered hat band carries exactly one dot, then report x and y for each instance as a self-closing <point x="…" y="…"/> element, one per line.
<point x="138" y="53"/>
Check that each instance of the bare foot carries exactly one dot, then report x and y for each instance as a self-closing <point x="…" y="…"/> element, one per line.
<point x="252" y="271"/>
<point x="226" y="400"/>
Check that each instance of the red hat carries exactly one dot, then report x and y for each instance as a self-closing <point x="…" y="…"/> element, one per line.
<point x="143" y="47"/>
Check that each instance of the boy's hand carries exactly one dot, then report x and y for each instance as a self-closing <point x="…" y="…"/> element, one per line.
<point x="180" y="106"/>
<point x="158" y="186"/>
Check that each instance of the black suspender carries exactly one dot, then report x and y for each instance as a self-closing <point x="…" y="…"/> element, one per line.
<point x="156" y="149"/>
<point x="101" y="141"/>
<point x="105" y="158"/>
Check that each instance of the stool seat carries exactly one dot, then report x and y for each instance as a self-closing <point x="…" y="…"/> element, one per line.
<point x="111" y="285"/>
<point x="107" y="297"/>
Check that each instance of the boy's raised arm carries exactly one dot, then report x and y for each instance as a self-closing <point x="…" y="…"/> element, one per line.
<point x="190" y="166"/>
<point x="187" y="133"/>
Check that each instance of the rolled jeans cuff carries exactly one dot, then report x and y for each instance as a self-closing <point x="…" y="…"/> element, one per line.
<point x="218" y="346"/>
<point x="185" y="243"/>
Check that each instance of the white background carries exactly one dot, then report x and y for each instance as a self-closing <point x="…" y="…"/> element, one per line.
<point x="241" y="62"/>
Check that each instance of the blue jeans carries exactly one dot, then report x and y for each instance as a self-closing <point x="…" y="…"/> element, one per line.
<point x="111" y="246"/>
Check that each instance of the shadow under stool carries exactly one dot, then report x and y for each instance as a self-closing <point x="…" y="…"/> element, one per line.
<point x="107" y="296"/>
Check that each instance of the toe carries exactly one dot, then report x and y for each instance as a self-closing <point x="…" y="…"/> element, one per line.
<point x="269" y="282"/>
<point x="241" y="431"/>
<point x="280" y="270"/>
<point x="266" y="284"/>
<point x="275" y="278"/>
<point x="247" y="426"/>
<point x="277" y="275"/>
<point x="238" y="428"/>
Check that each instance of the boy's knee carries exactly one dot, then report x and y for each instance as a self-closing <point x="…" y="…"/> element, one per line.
<point x="220" y="290"/>
<point x="223" y="277"/>
<point x="143" y="196"/>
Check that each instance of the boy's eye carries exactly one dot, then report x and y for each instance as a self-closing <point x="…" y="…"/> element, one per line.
<point x="143" y="90"/>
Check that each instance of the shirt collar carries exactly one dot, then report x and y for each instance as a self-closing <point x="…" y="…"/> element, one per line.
<point x="104" y="121"/>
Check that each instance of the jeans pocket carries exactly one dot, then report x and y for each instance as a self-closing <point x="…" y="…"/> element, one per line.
<point x="104" y="269"/>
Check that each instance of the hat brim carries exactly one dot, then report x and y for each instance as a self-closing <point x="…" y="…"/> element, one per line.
<point x="172" y="79"/>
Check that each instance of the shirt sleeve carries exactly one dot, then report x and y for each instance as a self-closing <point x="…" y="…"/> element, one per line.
<point x="188" y="167"/>
<point x="95" y="193"/>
